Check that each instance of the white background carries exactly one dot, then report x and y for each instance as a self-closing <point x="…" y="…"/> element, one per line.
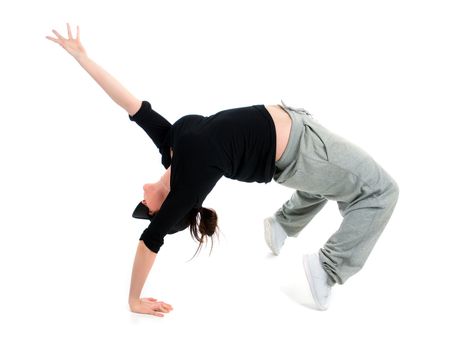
<point x="73" y="165"/>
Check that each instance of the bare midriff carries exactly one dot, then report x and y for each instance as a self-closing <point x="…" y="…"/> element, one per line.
<point x="283" y="124"/>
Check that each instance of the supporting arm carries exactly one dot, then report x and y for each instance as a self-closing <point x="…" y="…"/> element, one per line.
<point x="144" y="259"/>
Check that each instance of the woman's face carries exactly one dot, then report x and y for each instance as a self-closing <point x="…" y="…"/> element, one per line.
<point x="153" y="197"/>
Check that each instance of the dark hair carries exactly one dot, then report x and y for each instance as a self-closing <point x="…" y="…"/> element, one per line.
<point x="204" y="223"/>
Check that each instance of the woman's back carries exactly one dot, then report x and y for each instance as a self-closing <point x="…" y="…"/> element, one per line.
<point x="239" y="142"/>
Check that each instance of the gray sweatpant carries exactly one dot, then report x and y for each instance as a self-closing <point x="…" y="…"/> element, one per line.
<point x="321" y="166"/>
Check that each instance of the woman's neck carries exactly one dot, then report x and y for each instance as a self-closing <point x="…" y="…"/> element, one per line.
<point x="165" y="180"/>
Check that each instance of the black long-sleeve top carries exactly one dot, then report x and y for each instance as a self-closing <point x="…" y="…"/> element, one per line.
<point x="239" y="143"/>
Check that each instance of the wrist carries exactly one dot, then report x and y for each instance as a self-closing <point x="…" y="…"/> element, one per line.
<point x="81" y="57"/>
<point x="133" y="300"/>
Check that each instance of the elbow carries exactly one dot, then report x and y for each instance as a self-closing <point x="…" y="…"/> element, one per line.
<point x="133" y="106"/>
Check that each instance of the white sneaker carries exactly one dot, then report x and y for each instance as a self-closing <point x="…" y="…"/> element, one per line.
<point x="317" y="278"/>
<point x="274" y="234"/>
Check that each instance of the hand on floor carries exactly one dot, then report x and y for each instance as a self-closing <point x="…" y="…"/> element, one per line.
<point x="150" y="306"/>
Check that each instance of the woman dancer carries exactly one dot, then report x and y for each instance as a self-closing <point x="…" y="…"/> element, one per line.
<point x="255" y="143"/>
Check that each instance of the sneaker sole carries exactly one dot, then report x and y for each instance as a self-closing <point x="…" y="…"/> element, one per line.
<point x="307" y="271"/>
<point x="267" y="233"/>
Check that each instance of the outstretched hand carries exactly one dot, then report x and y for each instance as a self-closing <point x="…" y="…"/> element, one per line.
<point x="150" y="306"/>
<point x="71" y="45"/>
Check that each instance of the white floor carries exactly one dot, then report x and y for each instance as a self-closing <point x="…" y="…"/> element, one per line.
<point x="240" y="296"/>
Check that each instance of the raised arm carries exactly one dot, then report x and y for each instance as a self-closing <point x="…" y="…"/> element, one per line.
<point x="111" y="86"/>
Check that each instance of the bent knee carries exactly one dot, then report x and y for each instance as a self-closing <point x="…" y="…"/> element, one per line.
<point x="392" y="191"/>
<point x="395" y="188"/>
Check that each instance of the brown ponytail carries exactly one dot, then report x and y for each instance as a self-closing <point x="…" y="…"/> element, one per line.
<point x="206" y="225"/>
